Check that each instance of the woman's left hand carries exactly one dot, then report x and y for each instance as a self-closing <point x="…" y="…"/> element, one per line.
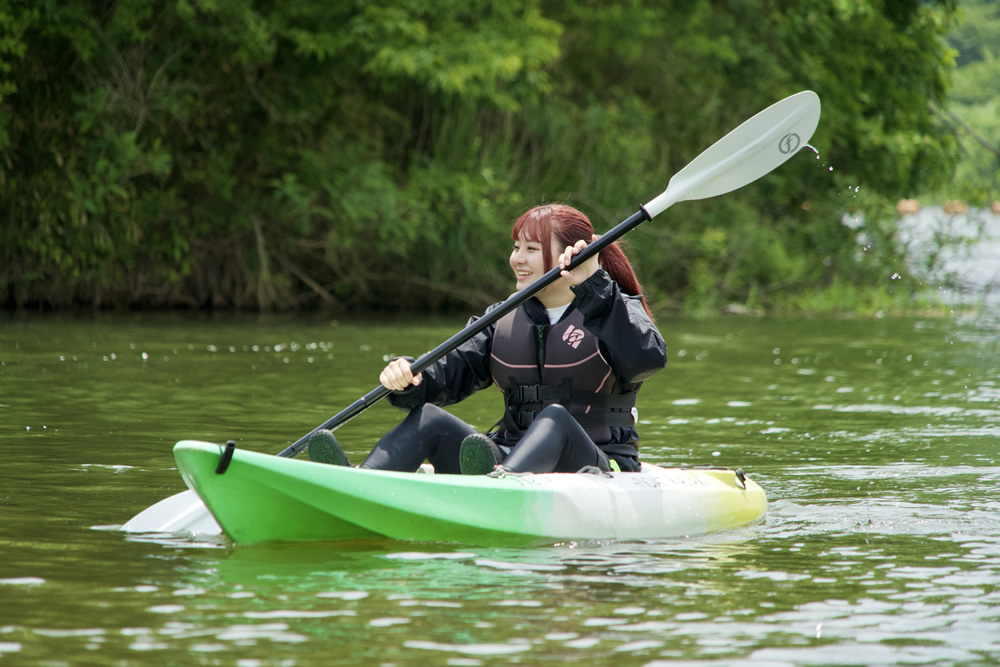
<point x="582" y="272"/>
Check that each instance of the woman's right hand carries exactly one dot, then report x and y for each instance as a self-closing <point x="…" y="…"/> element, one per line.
<point x="398" y="377"/>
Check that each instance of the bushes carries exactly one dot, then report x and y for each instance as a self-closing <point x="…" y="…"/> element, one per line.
<point x="233" y="153"/>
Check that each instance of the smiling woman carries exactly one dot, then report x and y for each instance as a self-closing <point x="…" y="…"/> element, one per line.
<point x="569" y="361"/>
<point x="561" y="227"/>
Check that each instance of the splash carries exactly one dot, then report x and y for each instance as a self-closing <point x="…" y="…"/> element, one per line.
<point x="816" y="151"/>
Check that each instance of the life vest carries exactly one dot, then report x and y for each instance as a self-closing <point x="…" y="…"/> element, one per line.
<point x="537" y="365"/>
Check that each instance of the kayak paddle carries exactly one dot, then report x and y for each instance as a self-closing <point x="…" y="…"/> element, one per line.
<point x="752" y="150"/>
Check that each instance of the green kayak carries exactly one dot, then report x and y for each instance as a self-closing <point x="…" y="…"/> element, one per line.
<point x="261" y="498"/>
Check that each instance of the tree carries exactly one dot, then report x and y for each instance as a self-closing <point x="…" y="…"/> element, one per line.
<point x="973" y="109"/>
<point x="689" y="72"/>
<point x="283" y="155"/>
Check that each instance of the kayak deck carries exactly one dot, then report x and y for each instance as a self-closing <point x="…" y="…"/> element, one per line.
<point x="262" y="498"/>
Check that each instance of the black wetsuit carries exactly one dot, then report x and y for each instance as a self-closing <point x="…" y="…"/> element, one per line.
<point x="549" y="439"/>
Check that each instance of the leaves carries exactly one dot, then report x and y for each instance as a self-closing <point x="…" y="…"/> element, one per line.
<point x="250" y="154"/>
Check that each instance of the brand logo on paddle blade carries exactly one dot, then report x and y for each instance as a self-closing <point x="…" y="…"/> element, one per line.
<point x="573" y="336"/>
<point x="789" y="143"/>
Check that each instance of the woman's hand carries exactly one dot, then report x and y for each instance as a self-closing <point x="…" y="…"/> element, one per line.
<point x="582" y="272"/>
<point x="398" y="377"/>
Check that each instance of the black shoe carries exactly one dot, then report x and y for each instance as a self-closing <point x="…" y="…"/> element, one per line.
<point x="478" y="455"/>
<point x="324" y="448"/>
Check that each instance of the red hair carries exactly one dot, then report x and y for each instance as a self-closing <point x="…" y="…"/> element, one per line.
<point x="568" y="225"/>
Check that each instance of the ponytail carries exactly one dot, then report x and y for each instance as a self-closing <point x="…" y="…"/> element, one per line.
<point x="569" y="225"/>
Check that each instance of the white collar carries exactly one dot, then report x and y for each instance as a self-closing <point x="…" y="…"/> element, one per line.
<point x="556" y="313"/>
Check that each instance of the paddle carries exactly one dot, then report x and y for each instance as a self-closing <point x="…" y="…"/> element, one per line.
<point x="752" y="150"/>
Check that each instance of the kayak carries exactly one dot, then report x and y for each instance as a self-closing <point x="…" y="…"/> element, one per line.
<point x="258" y="497"/>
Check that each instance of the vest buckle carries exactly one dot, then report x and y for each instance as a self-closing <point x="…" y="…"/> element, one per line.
<point x="530" y="393"/>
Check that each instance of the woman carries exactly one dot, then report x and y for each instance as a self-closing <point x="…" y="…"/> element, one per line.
<point x="569" y="361"/>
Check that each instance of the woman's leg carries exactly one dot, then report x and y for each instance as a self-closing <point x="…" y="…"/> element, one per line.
<point x="428" y="432"/>
<point x="555" y="442"/>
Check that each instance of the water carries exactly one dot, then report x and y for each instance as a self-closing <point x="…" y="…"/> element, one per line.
<point x="876" y="441"/>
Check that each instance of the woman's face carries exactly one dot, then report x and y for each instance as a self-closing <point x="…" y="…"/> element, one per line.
<point x="527" y="259"/>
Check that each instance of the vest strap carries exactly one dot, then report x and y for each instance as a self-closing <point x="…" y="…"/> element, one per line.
<point x="523" y="418"/>
<point x="565" y="394"/>
<point x="509" y="420"/>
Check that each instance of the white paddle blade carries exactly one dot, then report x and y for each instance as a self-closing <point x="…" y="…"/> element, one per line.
<point x="752" y="150"/>
<point x="181" y="513"/>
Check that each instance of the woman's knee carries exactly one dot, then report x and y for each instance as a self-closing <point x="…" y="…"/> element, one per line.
<point x="556" y="411"/>
<point x="425" y="413"/>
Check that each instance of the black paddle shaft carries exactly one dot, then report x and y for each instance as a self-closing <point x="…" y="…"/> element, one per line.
<point x="429" y="358"/>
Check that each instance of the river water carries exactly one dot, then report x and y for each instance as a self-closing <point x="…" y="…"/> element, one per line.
<point x="876" y="441"/>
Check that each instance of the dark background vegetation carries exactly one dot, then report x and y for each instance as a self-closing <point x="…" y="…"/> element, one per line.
<point x="351" y="155"/>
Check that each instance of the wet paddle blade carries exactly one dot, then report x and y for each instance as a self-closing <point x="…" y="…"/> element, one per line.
<point x="180" y="513"/>
<point x="753" y="149"/>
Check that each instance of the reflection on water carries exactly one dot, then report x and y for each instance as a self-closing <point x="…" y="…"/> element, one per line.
<point x="875" y="440"/>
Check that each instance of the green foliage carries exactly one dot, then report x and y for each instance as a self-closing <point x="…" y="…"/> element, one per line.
<point x="973" y="112"/>
<point x="876" y="67"/>
<point x="356" y="154"/>
<point x="853" y="299"/>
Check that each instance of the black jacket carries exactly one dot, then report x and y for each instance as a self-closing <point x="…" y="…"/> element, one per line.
<point x="628" y="339"/>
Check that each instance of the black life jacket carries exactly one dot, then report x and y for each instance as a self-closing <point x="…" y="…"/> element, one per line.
<point x="537" y="365"/>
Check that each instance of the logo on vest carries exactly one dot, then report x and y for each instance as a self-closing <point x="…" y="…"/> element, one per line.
<point x="572" y="336"/>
